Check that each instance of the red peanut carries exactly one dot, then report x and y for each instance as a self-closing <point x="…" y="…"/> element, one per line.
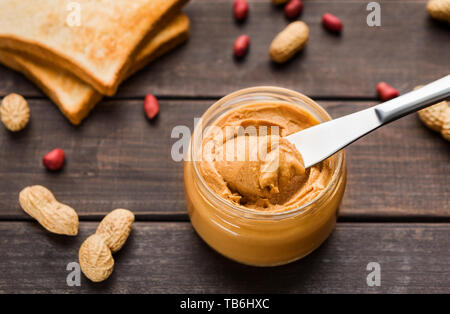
<point x="293" y="8"/>
<point x="241" y="44"/>
<point x="386" y="92"/>
<point x="151" y="106"/>
<point x="54" y="160"/>
<point x="240" y="9"/>
<point x="332" y="22"/>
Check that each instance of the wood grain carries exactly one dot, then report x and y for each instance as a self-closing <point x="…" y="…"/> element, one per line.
<point x="171" y="258"/>
<point x="117" y="158"/>
<point x="407" y="50"/>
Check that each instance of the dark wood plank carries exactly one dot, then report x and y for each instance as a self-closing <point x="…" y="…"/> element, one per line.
<point x="119" y="159"/>
<point x="171" y="258"/>
<point x="407" y="50"/>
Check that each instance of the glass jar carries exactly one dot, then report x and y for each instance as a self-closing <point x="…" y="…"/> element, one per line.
<point x="254" y="237"/>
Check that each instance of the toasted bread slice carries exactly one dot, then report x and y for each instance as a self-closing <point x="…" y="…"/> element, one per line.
<point x="74" y="97"/>
<point x="98" y="51"/>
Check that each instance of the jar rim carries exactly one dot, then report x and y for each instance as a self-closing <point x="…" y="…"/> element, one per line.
<point x="247" y="212"/>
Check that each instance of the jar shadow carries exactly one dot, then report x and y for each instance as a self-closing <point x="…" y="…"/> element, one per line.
<point x="234" y="277"/>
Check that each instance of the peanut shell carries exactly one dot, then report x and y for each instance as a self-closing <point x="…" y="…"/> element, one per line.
<point x="289" y="41"/>
<point x="115" y="228"/>
<point x="38" y="202"/>
<point x="439" y="9"/>
<point x="14" y="112"/>
<point x="95" y="258"/>
<point x="433" y="116"/>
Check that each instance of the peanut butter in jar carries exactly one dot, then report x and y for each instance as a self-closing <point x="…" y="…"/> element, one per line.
<point x="248" y="193"/>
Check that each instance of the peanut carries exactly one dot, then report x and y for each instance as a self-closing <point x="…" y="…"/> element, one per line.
<point x="293" y="9"/>
<point x="151" y="106"/>
<point x="240" y="9"/>
<point x="115" y="228"/>
<point x="241" y="45"/>
<point x="54" y="160"/>
<point x="386" y="91"/>
<point x="289" y="41"/>
<point x="439" y="9"/>
<point x="436" y="117"/>
<point x="14" y="112"/>
<point x="332" y="23"/>
<point x="95" y="254"/>
<point x="95" y="257"/>
<point x="38" y="202"/>
<point x="433" y="116"/>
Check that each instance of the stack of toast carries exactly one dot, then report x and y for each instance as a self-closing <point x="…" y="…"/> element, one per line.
<point x="75" y="65"/>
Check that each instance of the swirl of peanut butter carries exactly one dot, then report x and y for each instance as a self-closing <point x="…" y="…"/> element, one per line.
<point x="246" y="160"/>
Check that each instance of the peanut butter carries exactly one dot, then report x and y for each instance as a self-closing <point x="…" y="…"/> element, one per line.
<point x="248" y="193"/>
<point x="246" y="160"/>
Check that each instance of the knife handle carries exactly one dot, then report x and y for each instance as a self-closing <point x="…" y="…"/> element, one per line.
<point x="415" y="100"/>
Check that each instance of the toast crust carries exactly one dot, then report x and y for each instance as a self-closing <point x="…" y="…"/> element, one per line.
<point x="174" y="34"/>
<point x="75" y="98"/>
<point x="91" y="51"/>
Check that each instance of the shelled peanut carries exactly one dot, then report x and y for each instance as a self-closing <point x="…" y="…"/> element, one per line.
<point x="241" y="45"/>
<point x="293" y="9"/>
<point x="240" y="9"/>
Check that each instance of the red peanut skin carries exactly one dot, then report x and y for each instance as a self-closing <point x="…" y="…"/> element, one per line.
<point x="293" y="9"/>
<point x="386" y="92"/>
<point x="151" y="106"/>
<point x="241" y="44"/>
<point x="240" y="9"/>
<point x="54" y="160"/>
<point x="332" y="23"/>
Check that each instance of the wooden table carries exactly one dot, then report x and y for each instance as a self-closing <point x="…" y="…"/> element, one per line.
<point x="396" y="209"/>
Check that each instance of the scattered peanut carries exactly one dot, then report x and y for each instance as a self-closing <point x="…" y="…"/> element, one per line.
<point x="95" y="257"/>
<point x="151" y="106"/>
<point x="115" y="228"/>
<point x="332" y="23"/>
<point x="95" y="254"/>
<point x="241" y="45"/>
<point x="439" y="9"/>
<point x="293" y="9"/>
<point x="14" y="112"/>
<point x="291" y="40"/>
<point x="54" y="160"/>
<point x="240" y="9"/>
<point x="437" y="118"/>
<point x="433" y="116"/>
<point x="38" y="202"/>
<point x="386" y="91"/>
